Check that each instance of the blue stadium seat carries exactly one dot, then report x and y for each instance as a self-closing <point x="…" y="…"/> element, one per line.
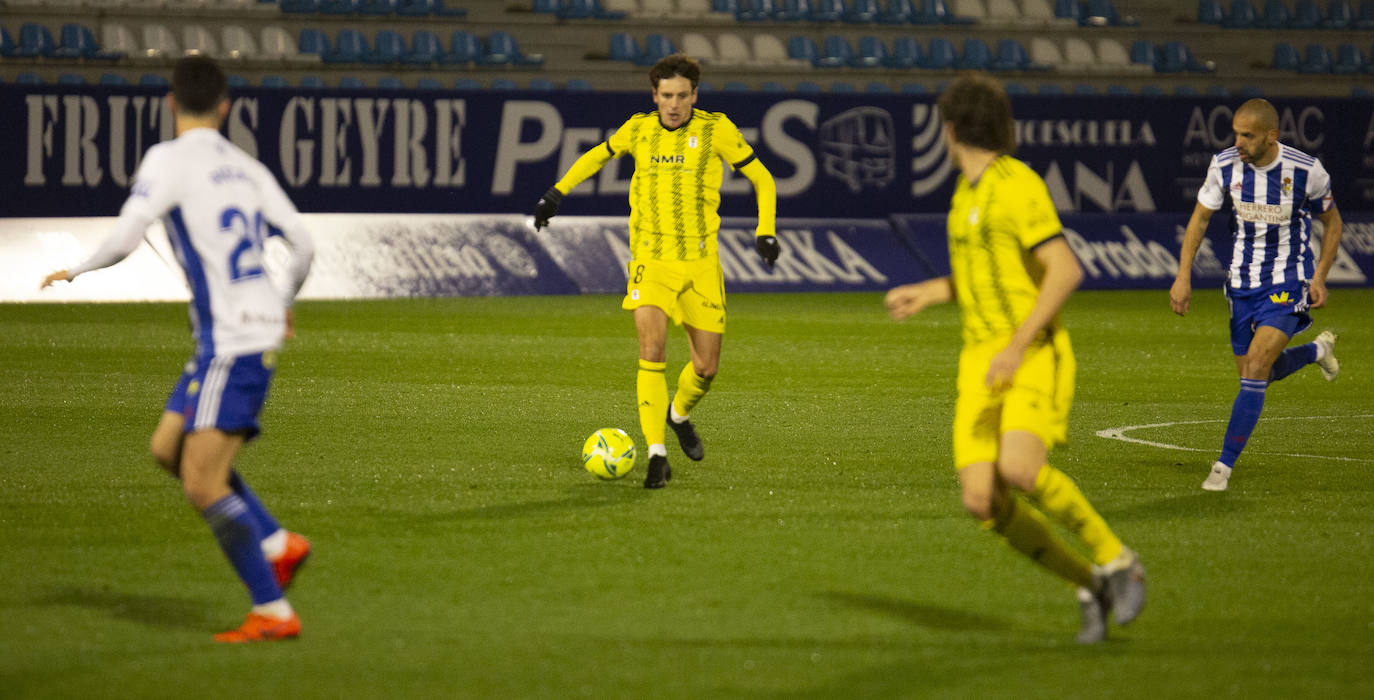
<point x="576" y="9"/>
<point x="350" y="46"/>
<point x="463" y="49"/>
<point x="1014" y="88"/>
<point x="1011" y="55"/>
<point x="313" y="82"/>
<point x="1285" y="57"/>
<point x="807" y="86"/>
<point x="877" y="88"/>
<point x="1185" y="91"/>
<point x="1250" y="91"/>
<point x="273" y="81"/>
<point x="1364" y="18"/>
<point x="725" y="7"/>
<point x="338" y="7"/>
<point x="603" y="13"/>
<point x="542" y="84"/>
<point x="792" y="11"/>
<point x="1306" y="15"/>
<point x="772" y="86"/>
<point x="913" y="89"/>
<point x="1049" y="89"/>
<point x="546" y="7"/>
<point x="1084" y="89"/>
<point x="977" y="55"/>
<point x="1275" y="16"/>
<point x="1116" y="89"/>
<point x="424" y="48"/>
<point x="1151" y="90"/>
<point x="153" y="80"/>
<point x="352" y="82"/>
<point x="803" y="48"/>
<point x="1210" y="12"/>
<point x="428" y="84"/>
<point x="377" y="7"/>
<point x="415" y="8"/>
<point x="862" y="12"/>
<point x="1316" y="60"/>
<point x="941" y="55"/>
<point x="843" y="88"/>
<point x="577" y="84"/>
<point x="1348" y="60"/>
<point x="313" y="41"/>
<point x="71" y="79"/>
<point x="467" y="84"/>
<point x="1216" y="91"/>
<point x="35" y="41"/>
<point x="1360" y="91"/>
<point x="390" y="82"/>
<point x="1241" y="16"/>
<point x="940" y="9"/>
<point x="234" y="80"/>
<point x="906" y="53"/>
<point x="656" y="47"/>
<point x="735" y="86"/>
<point x="1339" y="15"/>
<point x="112" y="79"/>
<point x="837" y="53"/>
<point x="503" y="84"/>
<point x="79" y="42"/>
<point x="29" y="78"/>
<point x="1068" y="9"/>
<point x="704" y="86"/>
<point x="872" y="53"/>
<point x="300" y="7"/>
<point x="897" y="12"/>
<point x="623" y="47"/>
<point x="827" y="10"/>
<point x="388" y="48"/>
<point x="7" y="45"/>
<point x="1143" y="53"/>
<point x="442" y="10"/>
<point x="502" y="49"/>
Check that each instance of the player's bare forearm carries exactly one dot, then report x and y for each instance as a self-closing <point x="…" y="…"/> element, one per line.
<point x="1181" y="293"/>
<point x="1331" y="242"/>
<point x="910" y="299"/>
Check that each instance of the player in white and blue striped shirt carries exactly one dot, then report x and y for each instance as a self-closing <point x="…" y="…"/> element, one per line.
<point x="1275" y="278"/>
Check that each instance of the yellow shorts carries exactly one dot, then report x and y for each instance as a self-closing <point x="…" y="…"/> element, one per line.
<point x="691" y="293"/>
<point x="1037" y="402"/>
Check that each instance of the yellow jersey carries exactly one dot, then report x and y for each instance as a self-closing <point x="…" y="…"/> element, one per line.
<point x="675" y="191"/>
<point x="994" y="226"/>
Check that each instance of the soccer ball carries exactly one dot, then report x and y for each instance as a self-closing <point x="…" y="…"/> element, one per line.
<point x="609" y="453"/>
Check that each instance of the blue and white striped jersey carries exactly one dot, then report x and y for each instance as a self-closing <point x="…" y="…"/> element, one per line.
<point x="1274" y="205"/>
<point x="216" y="203"/>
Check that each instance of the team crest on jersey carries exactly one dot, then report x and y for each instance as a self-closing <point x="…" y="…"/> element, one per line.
<point x="1288" y="185"/>
<point x="1281" y="298"/>
<point x="692" y="141"/>
<point x="973" y="216"/>
<point x="193" y="388"/>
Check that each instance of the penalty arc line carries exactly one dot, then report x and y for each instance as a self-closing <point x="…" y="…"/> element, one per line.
<point x="1120" y="434"/>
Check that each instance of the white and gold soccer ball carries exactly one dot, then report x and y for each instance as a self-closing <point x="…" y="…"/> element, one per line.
<point x="609" y="453"/>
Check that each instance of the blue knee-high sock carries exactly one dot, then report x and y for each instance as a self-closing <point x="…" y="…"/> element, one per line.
<point x="1292" y="360"/>
<point x="238" y="536"/>
<point x="1245" y="414"/>
<point x="264" y="520"/>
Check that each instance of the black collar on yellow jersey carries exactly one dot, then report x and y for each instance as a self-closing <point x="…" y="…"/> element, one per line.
<point x="685" y="122"/>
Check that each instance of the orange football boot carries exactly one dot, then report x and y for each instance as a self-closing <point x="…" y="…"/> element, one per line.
<point x="292" y="558"/>
<point x="261" y="628"/>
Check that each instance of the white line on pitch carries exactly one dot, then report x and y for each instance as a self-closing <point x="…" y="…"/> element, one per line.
<point x="1120" y="434"/>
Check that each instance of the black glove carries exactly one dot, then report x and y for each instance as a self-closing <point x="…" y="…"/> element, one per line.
<point x="546" y="208"/>
<point x="768" y="249"/>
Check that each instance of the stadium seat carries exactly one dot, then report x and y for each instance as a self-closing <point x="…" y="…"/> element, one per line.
<point x="542" y="85"/>
<point x="808" y="87"/>
<point x="196" y="39"/>
<point x="313" y="82"/>
<point x="1172" y="58"/>
<point x="977" y="55"/>
<point x="1011" y="55"/>
<point x="1241" y="16"/>
<point x="1185" y="91"/>
<point x="79" y="42"/>
<point x="1143" y="53"/>
<point x="467" y="84"/>
<point x="1151" y="90"/>
<point x="428" y="84"/>
<point x="1049" y="89"/>
<point x="158" y="42"/>
<point x="1045" y="52"/>
<point x="390" y="82"/>
<point x="1364" y="18"/>
<point x="947" y="16"/>
<point x="1079" y="54"/>
<point x="803" y="48"/>
<point x="656" y="47"/>
<point x="1117" y="90"/>
<point x="71" y="79"/>
<point x="877" y="88"/>
<point x="544" y="7"/>
<point x="352" y="82"/>
<point x="1216" y="91"/>
<point x="792" y="11"/>
<point x="971" y="10"/>
<point x="300" y="7"/>
<point x="415" y="8"/>
<point x="1360" y="91"/>
<point x="1003" y="12"/>
<point x="377" y="7"/>
<point x="35" y="41"/>
<point x="443" y="10"/>
<point x="1250" y="91"/>
<point x="1275" y="16"/>
<point x="117" y="38"/>
<point x="1306" y="15"/>
<point x="1099" y="13"/>
<point x="772" y="86"/>
<point x="1339" y="15"/>
<point x="650" y="8"/>
<point x="735" y="86"/>
<point x="1084" y="89"/>
<point x="153" y="80"/>
<point x="843" y="88"/>
<point x="238" y="43"/>
<point x="278" y="45"/>
<point x="913" y="89"/>
<point x="827" y="10"/>
<point x="1316" y="60"/>
<point x="576" y="9"/>
<point x="836" y="52"/>
<point x="1112" y="56"/>
<point x="623" y="47"/>
<point x="350" y="46"/>
<point x="7" y="45"/>
<point x="235" y="80"/>
<point x="906" y="53"/>
<point x="112" y="79"/>
<point x="1068" y="10"/>
<point x="1038" y="12"/>
<point x="1348" y="60"/>
<point x="29" y="78"/>
<point x="424" y="49"/>
<point x="699" y="47"/>
<point x="503" y="84"/>
<point x="872" y="53"/>
<point x="941" y="55"/>
<point x="1210" y="12"/>
<point x="1285" y="57"/>
<point x="577" y="84"/>
<point x="273" y="81"/>
<point x="729" y="49"/>
<point x="463" y="49"/>
<point x="338" y="7"/>
<point x="1015" y="88"/>
<point x="897" y="12"/>
<point x="768" y="50"/>
<point x="693" y="10"/>
<point x="312" y="41"/>
<point x="389" y="47"/>
<point x="862" y="12"/>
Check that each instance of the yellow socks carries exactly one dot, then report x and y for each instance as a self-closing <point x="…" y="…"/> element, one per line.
<point x="690" y="388"/>
<point x="1028" y="532"/>
<point x="1058" y="496"/>
<point x="652" y="390"/>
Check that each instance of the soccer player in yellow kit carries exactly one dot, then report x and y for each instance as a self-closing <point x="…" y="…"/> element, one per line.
<point x="1011" y="271"/>
<point x="674" y="270"/>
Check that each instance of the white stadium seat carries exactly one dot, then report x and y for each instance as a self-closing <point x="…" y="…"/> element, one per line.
<point x="770" y="51"/>
<point x="1003" y="12"/>
<point x="732" y="50"/>
<point x="1044" y="51"/>
<point x="698" y="46"/>
<point x="158" y="42"/>
<point x="657" y="8"/>
<point x="969" y="8"/>
<point x="238" y="43"/>
<point x="279" y="45"/>
<point x="198" y="39"/>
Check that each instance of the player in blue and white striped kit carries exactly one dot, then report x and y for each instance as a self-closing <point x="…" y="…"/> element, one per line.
<point x="217" y="203"/>
<point x="1274" y="278"/>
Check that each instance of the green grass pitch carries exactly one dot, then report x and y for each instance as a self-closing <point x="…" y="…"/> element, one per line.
<point x="429" y="448"/>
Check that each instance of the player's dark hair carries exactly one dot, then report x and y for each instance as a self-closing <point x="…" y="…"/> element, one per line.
<point x="198" y="85"/>
<point x="678" y="64"/>
<point x="978" y="107"/>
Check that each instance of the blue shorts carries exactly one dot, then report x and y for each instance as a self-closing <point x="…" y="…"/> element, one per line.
<point x="225" y="393"/>
<point x="1282" y="306"/>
